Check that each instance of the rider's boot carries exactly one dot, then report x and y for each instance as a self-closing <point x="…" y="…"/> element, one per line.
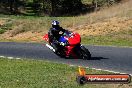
<point x="55" y="47"/>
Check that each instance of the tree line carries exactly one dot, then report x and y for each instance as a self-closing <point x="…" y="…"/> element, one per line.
<point x="50" y="7"/>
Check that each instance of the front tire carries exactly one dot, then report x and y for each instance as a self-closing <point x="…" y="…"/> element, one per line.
<point x="84" y="53"/>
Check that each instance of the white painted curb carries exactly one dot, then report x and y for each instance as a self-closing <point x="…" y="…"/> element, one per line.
<point x="9" y="57"/>
<point x="104" y="70"/>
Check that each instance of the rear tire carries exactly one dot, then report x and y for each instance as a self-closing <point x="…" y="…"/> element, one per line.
<point x="84" y="53"/>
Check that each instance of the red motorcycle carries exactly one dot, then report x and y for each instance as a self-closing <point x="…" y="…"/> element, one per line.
<point x="70" y="44"/>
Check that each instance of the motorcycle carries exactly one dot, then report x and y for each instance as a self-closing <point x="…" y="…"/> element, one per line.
<point x="69" y="41"/>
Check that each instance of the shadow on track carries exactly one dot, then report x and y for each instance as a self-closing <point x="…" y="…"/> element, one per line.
<point x="92" y="58"/>
<point x="97" y="58"/>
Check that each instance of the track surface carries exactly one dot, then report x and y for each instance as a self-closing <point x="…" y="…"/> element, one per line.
<point x="108" y="58"/>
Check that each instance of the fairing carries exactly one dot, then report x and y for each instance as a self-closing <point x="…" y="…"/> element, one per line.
<point x="73" y="38"/>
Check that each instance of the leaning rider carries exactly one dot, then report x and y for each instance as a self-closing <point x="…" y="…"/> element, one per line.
<point x="54" y="35"/>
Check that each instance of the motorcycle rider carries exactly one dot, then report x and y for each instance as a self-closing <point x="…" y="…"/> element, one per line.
<point x="54" y="35"/>
<point x="54" y="31"/>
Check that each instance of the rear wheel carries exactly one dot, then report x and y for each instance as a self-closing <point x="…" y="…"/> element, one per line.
<point x="84" y="53"/>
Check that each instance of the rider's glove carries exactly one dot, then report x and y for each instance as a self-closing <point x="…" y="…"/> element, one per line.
<point x="64" y="44"/>
<point x="61" y="43"/>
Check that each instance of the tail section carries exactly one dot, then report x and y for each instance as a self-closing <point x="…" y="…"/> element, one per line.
<point x="46" y="38"/>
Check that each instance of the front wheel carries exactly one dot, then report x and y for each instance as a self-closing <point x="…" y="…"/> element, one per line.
<point x="84" y="53"/>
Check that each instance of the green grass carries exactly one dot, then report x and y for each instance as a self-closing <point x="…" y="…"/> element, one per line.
<point x="2" y="31"/>
<point x="106" y="40"/>
<point x="87" y="1"/>
<point x="42" y="74"/>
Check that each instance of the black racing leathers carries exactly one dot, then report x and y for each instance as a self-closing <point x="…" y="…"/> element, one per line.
<point x="54" y="36"/>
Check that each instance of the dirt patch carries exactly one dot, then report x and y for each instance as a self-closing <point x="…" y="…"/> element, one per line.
<point x="2" y="22"/>
<point x="25" y="36"/>
<point x="108" y="26"/>
<point x="31" y="36"/>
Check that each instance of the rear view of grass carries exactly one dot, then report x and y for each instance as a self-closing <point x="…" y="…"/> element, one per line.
<point x="44" y="74"/>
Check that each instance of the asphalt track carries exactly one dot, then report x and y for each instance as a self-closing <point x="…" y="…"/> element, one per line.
<point x="108" y="58"/>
